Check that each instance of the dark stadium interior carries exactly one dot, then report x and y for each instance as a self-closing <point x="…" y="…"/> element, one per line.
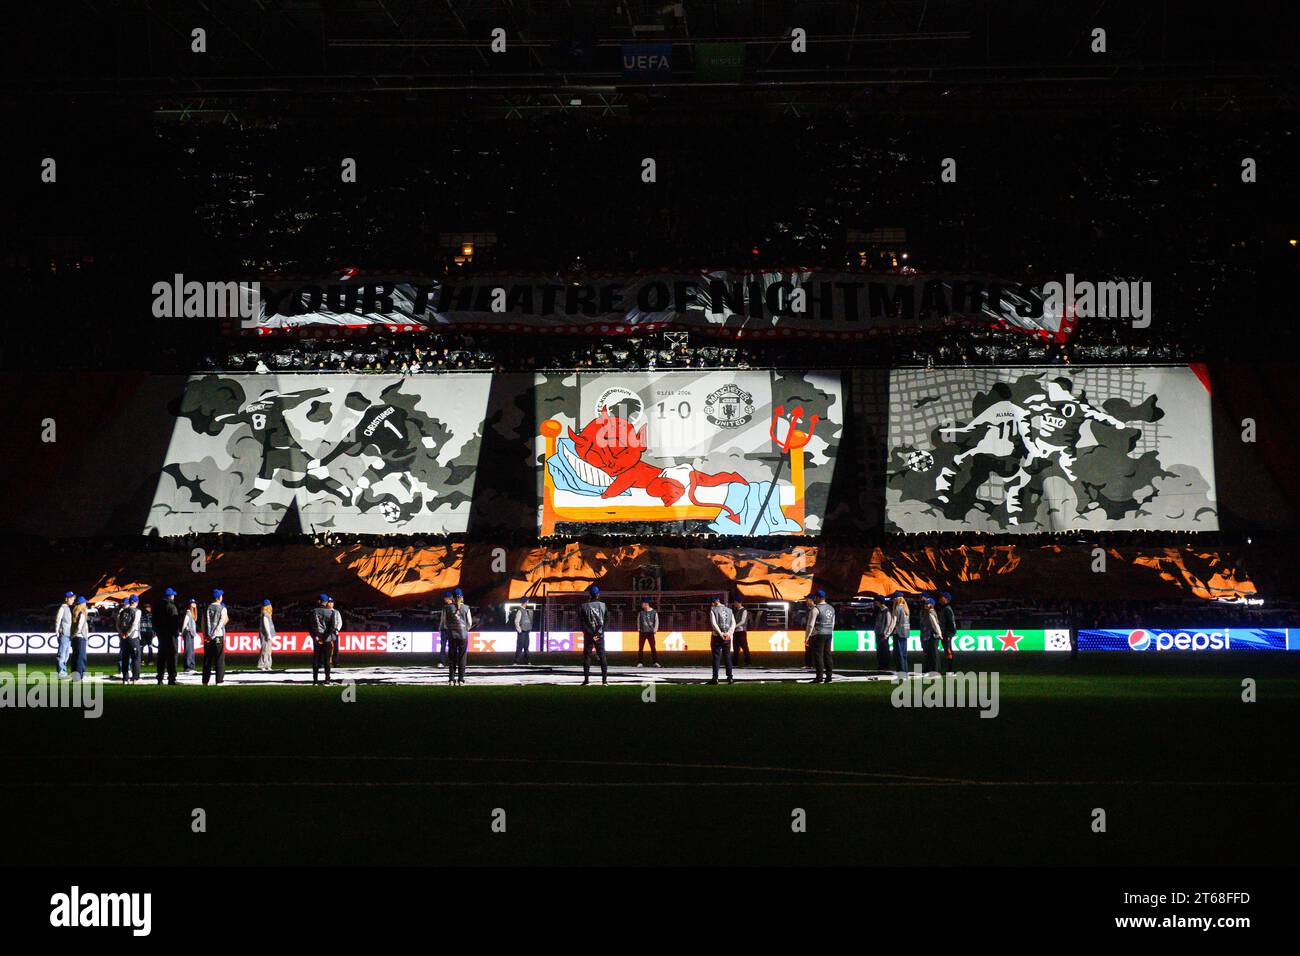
<point x="470" y="165"/>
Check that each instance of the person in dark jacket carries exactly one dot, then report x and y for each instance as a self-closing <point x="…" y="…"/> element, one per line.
<point x="930" y="634"/>
<point x="881" y="629"/>
<point x="647" y="623"/>
<point x="591" y="618"/>
<point x="146" y="632"/>
<point x="324" y="635"/>
<point x="167" y="625"/>
<point x="337" y="646"/>
<point x="448" y="602"/>
<point x="740" y="640"/>
<point x="458" y="622"/>
<point x="948" y="628"/>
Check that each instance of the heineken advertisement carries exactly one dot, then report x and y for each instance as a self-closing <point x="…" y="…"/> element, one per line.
<point x="992" y="639"/>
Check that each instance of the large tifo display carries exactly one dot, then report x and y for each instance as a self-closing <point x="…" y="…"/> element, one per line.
<point x="365" y="453"/>
<point x="1050" y="449"/>
<point x="728" y="452"/>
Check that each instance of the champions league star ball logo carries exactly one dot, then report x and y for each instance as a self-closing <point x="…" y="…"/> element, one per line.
<point x="391" y="511"/>
<point x="919" y="461"/>
<point x="729" y="407"/>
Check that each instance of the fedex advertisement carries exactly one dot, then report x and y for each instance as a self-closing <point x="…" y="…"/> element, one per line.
<point x="1188" y="639"/>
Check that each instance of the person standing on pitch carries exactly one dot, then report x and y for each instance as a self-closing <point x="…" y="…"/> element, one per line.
<point x="647" y="623"/>
<point x="128" y="629"/>
<point x="740" y="642"/>
<point x="214" y="637"/>
<point x="190" y="632"/>
<point x="881" y="630"/>
<point x="337" y="647"/>
<point x="821" y="630"/>
<point x="448" y="605"/>
<point x="63" y="631"/>
<point x="265" y="631"/>
<point x="591" y="618"/>
<point x="521" y="619"/>
<point x="948" y="629"/>
<point x="900" y="627"/>
<point x="810" y="619"/>
<point x="722" y="624"/>
<point x="167" y="624"/>
<point x="147" y="632"/>
<point x="459" y="622"/>
<point x="80" y="635"/>
<point x="930" y="634"/>
<point x="323" y="634"/>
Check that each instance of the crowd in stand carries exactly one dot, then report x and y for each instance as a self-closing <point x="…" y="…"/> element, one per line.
<point x="432" y="352"/>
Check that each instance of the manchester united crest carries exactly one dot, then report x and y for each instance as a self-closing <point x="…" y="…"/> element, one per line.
<point x="729" y="407"/>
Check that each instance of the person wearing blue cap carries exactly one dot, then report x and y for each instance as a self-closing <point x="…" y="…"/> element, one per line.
<point x="80" y="635"/>
<point x="821" y="634"/>
<point x="63" y="632"/>
<point x="722" y="627"/>
<point x="190" y="632"/>
<point x="930" y="634"/>
<point x="881" y="630"/>
<point x="458" y="621"/>
<point x="167" y="624"/>
<point x="324" y="635"/>
<point x="947" y="629"/>
<point x="215" y="620"/>
<point x="521" y="620"/>
<point x="266" y="633"/>
<point x="128" y="634"/>
<point x="592" y="615"/>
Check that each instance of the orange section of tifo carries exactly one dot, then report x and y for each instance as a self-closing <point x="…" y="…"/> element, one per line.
<point x="411" y="575"/>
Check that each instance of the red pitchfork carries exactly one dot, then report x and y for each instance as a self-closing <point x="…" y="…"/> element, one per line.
<point x="790" y="442"/>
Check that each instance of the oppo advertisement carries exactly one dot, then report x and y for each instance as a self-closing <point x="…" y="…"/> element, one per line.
<point x="1190" y="639"/>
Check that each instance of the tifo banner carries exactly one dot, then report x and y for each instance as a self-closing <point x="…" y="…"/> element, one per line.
<point x="363" y="453"/>
<point x="968" y="641"/>
<point x="748" y="304"/>
<point x="1186" y="639"/>
<point x="1050" y="449"/>
<point x="727" y="452"/>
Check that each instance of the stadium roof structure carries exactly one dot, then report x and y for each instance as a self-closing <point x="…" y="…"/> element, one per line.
<point x="566" y="54"/>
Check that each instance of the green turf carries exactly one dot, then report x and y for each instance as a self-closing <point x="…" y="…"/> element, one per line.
<point x="1186" y="772"/>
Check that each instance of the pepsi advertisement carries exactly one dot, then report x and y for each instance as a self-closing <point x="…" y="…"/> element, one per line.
<point x="1187" y="639"/>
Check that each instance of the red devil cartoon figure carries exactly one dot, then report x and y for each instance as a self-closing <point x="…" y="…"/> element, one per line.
<point x="614" y="445"/>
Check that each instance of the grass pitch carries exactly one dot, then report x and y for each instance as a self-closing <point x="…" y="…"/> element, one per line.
<point x="1186" y="772"/>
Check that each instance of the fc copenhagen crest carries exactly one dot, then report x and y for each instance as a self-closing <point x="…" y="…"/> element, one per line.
<point x="729" y="407"/>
